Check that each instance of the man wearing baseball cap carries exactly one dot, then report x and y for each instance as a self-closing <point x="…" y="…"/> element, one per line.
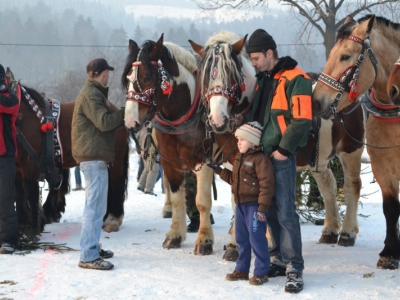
<point x="282" y="105"/>
<point x="93" y="136"/>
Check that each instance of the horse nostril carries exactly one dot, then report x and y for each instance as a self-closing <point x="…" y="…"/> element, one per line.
<point x="316" y="105"/>
<point x="393" y="92"/>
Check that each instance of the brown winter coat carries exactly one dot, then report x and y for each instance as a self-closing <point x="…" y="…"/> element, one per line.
<point x="252" y="178"/>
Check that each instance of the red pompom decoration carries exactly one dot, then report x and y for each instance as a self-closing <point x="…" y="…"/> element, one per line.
<point x="47" y="127"/>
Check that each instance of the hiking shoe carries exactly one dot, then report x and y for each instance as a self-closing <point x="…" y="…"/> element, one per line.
<point x="150" y="193"/>
<point x="140" y="189"/>
<point x="97" y="264"/>
<point x="258" y="280"/>
<point x="237" y="275"/>
<point x="276" y="270"/>
<point x="106" y="253"/>
<point x="7" y="248"/>
<point x="294" y="282"/>
<point x="194" y="225"/>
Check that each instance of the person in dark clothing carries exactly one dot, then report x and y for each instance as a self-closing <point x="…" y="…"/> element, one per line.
<point x="252" y="181"/>
<point x="282" y="105"/>
<point x="9" y="107"/>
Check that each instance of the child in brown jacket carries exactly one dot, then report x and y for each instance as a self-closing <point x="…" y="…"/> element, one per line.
<point x="252" y="180"/>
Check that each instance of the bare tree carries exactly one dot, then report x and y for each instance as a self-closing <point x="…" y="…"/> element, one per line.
<point x="326" y="16"/>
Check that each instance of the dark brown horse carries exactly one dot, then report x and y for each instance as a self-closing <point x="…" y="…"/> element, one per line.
<point x="30" y="124"/>
<point x="160" y="83"/>
<point x="362" y="57"/>
<point x="224" y="66"/>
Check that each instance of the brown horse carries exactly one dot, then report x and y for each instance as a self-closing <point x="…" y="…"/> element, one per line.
<point x="224" y="65"/>
<point x="160" y="83"/>
<point x="30" y="124"/>
<point x="362" y="57"/>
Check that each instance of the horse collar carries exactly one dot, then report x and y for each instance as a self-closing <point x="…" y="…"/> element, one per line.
<point x="384" y="112"/>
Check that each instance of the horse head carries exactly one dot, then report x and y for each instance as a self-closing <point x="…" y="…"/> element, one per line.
<point x="158" y="77"/>
<point x="393" y="85"/>
<point x="352" y="66"/>
<point x="226" y="77"/>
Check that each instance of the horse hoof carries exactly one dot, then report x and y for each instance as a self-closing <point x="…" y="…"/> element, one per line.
<point x="231" y="253"/>
<point x="346" y="240"/>
<point x="205" y="248"/>
<point x="172" y="243"/>
<point x="328" y="238"/>
<point x="110" y="228"/>
<point x="167" y="215"/>
<point x="388" y="263"/>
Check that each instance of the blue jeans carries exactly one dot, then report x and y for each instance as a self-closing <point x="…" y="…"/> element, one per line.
<point x="96" y="183"/>
<point x="250" y="235"/>
<point x="283" y="220"/>
<point x="8" y="215"/>
<point x="78" y="180"/>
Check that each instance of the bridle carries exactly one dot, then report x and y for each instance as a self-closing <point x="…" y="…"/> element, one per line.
<point x="348" y="80"/>
<point x="147" y="96"/>
<point x="233" y="92"/>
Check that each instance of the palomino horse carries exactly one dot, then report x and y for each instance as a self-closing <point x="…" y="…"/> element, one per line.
<point x="30" y="124"/>
<point x="328" y="138"/>
<point x="160" y="82"/>
<point x="362" y="57"/>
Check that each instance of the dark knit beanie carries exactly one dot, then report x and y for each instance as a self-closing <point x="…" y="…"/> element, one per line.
<point x="260" y="41"/>
<point x="2" y="72"/>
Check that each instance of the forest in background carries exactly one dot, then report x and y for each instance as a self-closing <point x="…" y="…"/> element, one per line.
<point x="47" y="44"/>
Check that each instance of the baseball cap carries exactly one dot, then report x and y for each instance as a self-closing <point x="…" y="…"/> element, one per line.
<point x="97" y="65"/>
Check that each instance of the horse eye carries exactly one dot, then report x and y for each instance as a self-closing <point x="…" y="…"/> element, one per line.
<point x="344" y="57"/>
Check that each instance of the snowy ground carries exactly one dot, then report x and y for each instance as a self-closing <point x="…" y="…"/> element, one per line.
<point x="144" y="270"/>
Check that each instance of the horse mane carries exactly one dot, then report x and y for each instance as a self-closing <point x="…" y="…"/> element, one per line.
<point x="345" y="30"/>
<point x="35" y="95"/>
<point x="184" y="57"/>
<point x="128" y="65"/>
<point x="227" y="64"/>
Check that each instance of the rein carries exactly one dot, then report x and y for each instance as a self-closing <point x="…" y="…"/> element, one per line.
<point x="348" y="80"/>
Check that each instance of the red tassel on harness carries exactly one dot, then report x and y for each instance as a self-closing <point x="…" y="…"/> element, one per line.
<point x="353" y="91"/>
<point x="243" y="86"/>
<point x="166" y="87"/>
<point x="47" y="127"/>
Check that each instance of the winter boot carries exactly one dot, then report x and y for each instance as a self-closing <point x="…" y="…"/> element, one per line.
<point x="294" y="282"/>
<point x="237" y="275"/>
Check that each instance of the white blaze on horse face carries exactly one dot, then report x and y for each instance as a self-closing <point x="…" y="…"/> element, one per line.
<point x="131" y="114"/>
<point x="219" y="115"/>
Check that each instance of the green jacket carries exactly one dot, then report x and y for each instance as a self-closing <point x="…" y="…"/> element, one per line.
<point x="94" y="124"/>
<point x="287" y="116"/>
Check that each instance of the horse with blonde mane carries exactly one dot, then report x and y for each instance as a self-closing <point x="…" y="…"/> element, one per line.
<point x="360" y="62"/>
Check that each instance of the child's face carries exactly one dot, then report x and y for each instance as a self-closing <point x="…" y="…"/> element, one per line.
<point x="244" y="145"/>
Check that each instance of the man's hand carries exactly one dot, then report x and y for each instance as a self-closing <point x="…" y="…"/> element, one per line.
<point x="278" y="156"/>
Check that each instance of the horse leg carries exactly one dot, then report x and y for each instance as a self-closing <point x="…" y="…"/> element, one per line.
<point x="177" y="233"/>
<point x="21" y="205"/>
<point x="327" y="186"/>
<point x="351" y="163"/>
<point x="231" y="252"/>
<point x="205" y="236"/>
<point x="167" y="209"/>
<point x="389" y="257"/>
<point x="117" y="190"/>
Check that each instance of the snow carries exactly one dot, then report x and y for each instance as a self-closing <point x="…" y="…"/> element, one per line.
<point x="144" y="270"/>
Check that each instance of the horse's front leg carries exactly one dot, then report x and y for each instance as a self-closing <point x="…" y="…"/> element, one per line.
<point x="351" y="163"/>
<point x="177" y="234"/>
<point x="231" y="252"/>
<point x="205" y="236"/>
<point x="167" y="209"/>
<point x="327" y="186"/>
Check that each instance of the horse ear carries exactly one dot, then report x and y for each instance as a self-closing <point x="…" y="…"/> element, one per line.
<point x="370" y="24"/>
<point x="197" y="48"/>
<point x="132" y="46"/>
<point x="156" y="50"/>
<point x="238" y="46"/>
<point x="348" y="19"/>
